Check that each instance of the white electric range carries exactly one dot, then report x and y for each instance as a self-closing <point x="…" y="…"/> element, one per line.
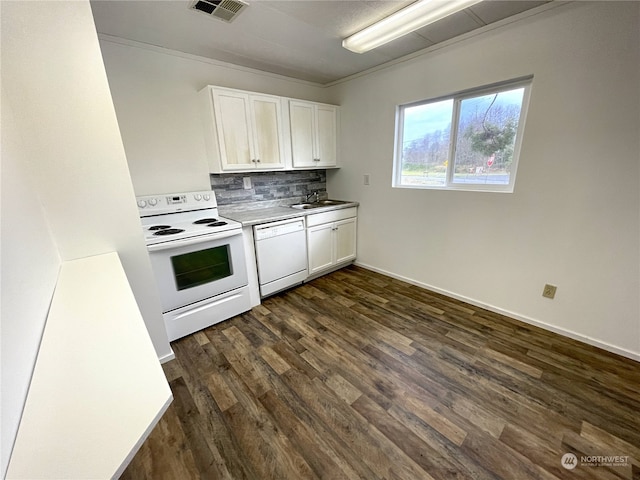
<point x="198" y="260"/>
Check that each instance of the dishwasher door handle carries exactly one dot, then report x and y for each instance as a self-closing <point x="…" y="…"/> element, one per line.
<point x="276" y="229"/>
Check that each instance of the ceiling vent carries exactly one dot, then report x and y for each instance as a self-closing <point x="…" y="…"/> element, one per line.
<point x="226" y="10"/>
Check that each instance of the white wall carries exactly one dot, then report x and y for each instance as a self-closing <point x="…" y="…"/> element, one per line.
<point x="573" y="220"/>
<point x="29" y="269"/>
<point x="155" y="93"/>
<point x="65" y="182"/>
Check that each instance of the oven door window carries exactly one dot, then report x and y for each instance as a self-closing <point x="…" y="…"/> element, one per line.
<point x="202" y="266"/>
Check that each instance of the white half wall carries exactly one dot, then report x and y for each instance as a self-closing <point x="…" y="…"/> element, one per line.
<point x="65" y="180"/>
<point x="155" y="92"/>
<point x="573" y="220"/>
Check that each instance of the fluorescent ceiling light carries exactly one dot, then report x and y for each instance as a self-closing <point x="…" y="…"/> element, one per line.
<point x="413" y="17"/>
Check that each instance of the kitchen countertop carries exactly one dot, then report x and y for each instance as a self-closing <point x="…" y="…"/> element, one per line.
<point x="255" y="214"/>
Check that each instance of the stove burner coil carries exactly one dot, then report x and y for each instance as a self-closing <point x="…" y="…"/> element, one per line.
<point x="159" y="227"/>
<point x="169" y="231"/>
<point x="205" y="220"/>
<point x="216" y="224"/>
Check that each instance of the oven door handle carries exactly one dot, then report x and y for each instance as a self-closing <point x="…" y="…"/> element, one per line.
<point x="193" y="241"/>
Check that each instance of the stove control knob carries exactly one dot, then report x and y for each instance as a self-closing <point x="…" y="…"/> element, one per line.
<point x="207" y="197"/>
<point x="198" y="197"/>
<point x="142" y="203"/>
<point x="153" y="202"/>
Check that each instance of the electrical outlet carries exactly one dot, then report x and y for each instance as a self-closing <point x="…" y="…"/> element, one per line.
<point x="549" y="291"/>
<point x="366" y="179"/>
<point x="246" y="183"/>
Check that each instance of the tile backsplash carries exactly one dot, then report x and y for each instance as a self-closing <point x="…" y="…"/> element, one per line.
<point x="268" y="186"/>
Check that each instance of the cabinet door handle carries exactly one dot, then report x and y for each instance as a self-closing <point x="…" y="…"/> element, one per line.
<point x="258" y="160"/>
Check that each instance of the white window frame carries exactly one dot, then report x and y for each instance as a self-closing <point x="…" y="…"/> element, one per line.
<point x="523" y="82"/>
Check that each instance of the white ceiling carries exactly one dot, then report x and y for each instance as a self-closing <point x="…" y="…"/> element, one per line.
<point x="297" y="38"/>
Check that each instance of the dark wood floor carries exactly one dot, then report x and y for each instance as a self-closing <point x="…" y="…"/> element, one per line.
<point x="356" y="375"/>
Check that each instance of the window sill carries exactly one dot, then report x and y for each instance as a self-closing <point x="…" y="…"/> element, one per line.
<point x="456" y="188"/>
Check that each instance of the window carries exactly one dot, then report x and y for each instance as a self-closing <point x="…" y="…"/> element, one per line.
<point x="467" y="141"/>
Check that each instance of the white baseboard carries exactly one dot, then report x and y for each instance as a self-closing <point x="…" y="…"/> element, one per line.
<point x="523" y="318"/>
<point x="168" y="357"/>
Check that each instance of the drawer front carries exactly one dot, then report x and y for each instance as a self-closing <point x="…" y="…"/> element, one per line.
<point x="331" y="216"/>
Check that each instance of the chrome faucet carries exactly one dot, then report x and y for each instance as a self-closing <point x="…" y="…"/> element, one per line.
<point x="310" y="196"/>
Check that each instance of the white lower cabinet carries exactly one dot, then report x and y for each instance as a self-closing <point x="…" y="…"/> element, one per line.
<point x="320" y="247"/>
<point x="345" y="240"/>
<point x="331" y="239"/>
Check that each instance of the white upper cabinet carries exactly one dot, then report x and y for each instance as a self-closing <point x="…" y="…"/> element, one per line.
<point x="244" y="130"/>
<point x="314" y="131"/>
<point x="248" y="131"/>
<point x="267" y="118"/>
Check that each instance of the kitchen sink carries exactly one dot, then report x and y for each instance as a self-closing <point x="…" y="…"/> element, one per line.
<point x="331" y="202"/>
<point x="321" y="203"/>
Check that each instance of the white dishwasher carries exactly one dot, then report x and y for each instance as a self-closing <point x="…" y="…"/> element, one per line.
<point x="281" y="254"/>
